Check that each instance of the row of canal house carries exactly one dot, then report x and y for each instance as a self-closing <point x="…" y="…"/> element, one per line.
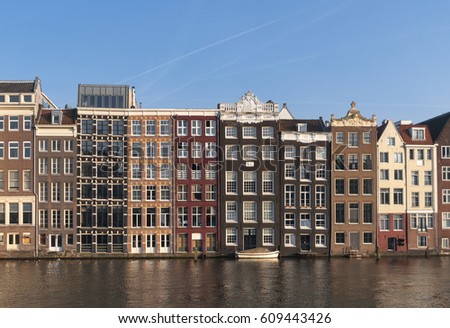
<point x="111" y="178"/>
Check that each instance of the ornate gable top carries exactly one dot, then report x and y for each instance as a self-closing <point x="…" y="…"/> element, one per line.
<point x="353" y="118"/>
<point x="249" y="103"/>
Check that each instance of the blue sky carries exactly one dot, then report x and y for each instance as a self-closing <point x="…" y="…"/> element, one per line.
<point x="391" y="57"/>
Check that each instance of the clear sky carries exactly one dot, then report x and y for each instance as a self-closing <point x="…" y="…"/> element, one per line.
<point x="391" y="57"/>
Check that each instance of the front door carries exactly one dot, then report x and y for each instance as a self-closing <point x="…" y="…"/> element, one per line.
<point x="354" y="241"/>
<point x="136" y="244"/>
<point x="392" y="244"/>
<point x="305" y="243"/>
<point x="165" y="243"/>
<point x="249" y="238"/>
<point x="55" y="243"/>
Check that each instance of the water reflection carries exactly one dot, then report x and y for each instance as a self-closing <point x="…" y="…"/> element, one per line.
<point x="391" y="282"/>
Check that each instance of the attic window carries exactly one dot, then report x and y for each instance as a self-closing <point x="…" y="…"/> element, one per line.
<point x="56" y="117"/>
<point x="301" y="127"/>
<point x="418" y="134"/>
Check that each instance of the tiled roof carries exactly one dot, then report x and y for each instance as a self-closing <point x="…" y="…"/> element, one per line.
<point x="311" y="125"/>
<point x="17" y="86"/>
<point x="436" y="124"/>
<point x="68" y="117"/>
<point x="381" y="129"/>
<point x="405" y="132"/>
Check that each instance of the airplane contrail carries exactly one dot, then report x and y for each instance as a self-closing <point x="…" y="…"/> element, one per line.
<point x="253" y="29"/>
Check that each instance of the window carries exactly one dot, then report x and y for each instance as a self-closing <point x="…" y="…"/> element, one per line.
<point x="289" y="171"/>
<point x="136" y="128"/>
<point x="446" y="220"/>
<point x="321" y="171"/>
<point x="43" y="192"/>
<point x="150" y="127"/>
<point x="420" y="154"/>
<point x="231" y="214"/>
<point x="339" y="137"/>
<point x="164" y="150"/>
<point x="136" y="150"/>
<point x="14" y="213"/>
<point x="339" y="186"/>
<point x="305" y="196"/>
<point x="422" y="241"/>
<point x="340" y="238"/>
<point x="268" y="182"/>
<point x="398" y="157"/>
<point x="196" y="171"/>
<point x="182" y="192"/>
<point x="353" y="139"/>
<point x="446" y="196"/>
<point x="418" y="134"/>
<point x="367" y="138"/>
<point x="13" y="150"/>
<point x="210" y="128"/>
<point x="136" y="193"/>
<point x="196" y="128"/>
<point x="384" y="157"/>
<point x="289" y="152"/>
<point x="415" y="178"/>
<point x="2" y="120"/>
<point x="210" y="171"/>
<point x="267" y="132"/>
<point x="268" y="237"/>
<point x="68" y="166"/>
<point x="422" y="221"/>
<point x="231" y="152"/>
<point x="165" y="217"/>
<point x="249" y="182"/>
<point x="2" y="181"/>
<point x="196" y="192"/>
<point x="289" y="220"/>
<point x="289" y="195"/>
<point x="398" y="222"/>
<point x="321" y="241"/>
<point x="353" y="186"/>
<point x="182" y="171"/>
<point x="354" y="212"/>
<point x="136" y="218"/>
<point x="368" y="238"/>
<point x="197" y="216"/>
<point x="56" y="219"/>
<point x="289" y="240"/>
<point x="230" y="132"/>
<point x="182" y="214"/>
<point x="2" y="150"/>
<point x="321" y="153"/>
<point x="211" y="216"/>
<point x="211" y="193"/>
<point x="384" y="222"/>
<point x="26" y="180"/>
<point x="102" y="127"/>
<point x="150" y="149"/>
<point x="445" y="152"/>
<point x="117" y="128"/>
<point x="339" y="162"/>
<point x="353" y="162"/>
<point x="14" y="123"/>
<point x="164" y="193"/>
<point x="398" y="174"/>
<point x="428" y="199"/>
<point x="384" y="196"/>
<point x="427" y="178"/>
<point x="43" y="219"/>
<point x="367" y="186"/>
<point x="249" y="152"/>
<point x="55" y="166"/>
<point x="305" y="221"/>
<point x="398" y="196"/>
<point x="367" y="162"/>
<point x="14" y="180"/>
<point x="249" y="211"/>
<point x="320" y="196"/>
<point x="446" y="173"/>
<point x="340" y="212"/>
<point x="69" y="145"/>
<point x="68" y="219"/>
<point x="445" y="243"/>
<point x="210" y="150"/>
<point x="164" y="128"/>
<point x="150" y="193"/>
<point x="182" y="128"/>
<point x="268" y="152"/>
<point x="248" y="132"/>
<point x="390" y="141"/>
<point x="86" y="126"/>
<point x="305" y="172"/>
<point x="196" y="150"/>
<point x="231" y="237"/>
<point x="415" y="199"/>
<point x="305" y="153"/>
<point x="320" y="221"/>
<point x="367" y="213"/>
<point x="164" y="173"/>
<point x="231" y="182"/>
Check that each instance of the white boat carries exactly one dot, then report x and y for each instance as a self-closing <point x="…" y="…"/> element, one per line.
<point x="257" y="253"/>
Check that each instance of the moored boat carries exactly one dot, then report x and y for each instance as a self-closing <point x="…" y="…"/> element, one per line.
<point x="257" y="253"/>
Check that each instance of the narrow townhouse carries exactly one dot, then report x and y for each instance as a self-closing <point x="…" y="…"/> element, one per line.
<point x="196" y="181"/>
<point x="56" y="179"/>
<point x="391" y="163"/>
<point x="421" y="202"/>
<point x="304" y="168"/>
<point x="439" y="127"/>
<point x="353" y="184"/>
<point x="20" y="102"/>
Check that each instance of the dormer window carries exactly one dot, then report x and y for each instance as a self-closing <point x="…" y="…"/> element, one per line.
<point x="418" y="134"/>
<point x="14" y="98"/>
<point x="56" y="117"/>
<point x="302" y="127"/>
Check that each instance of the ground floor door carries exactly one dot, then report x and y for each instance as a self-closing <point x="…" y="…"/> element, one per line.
<point x="150" y="244"/>
<point x="56" y="243"/>
<point x="305" y="243"/>
<point x="392" y="244"/>
<point x="249" y="238"/>
<point x="355" y="241"/>
<point x="165" y="243"/>
<point x="136" y="244"/>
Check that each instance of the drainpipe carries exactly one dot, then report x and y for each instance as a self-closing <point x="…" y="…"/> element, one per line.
<point x="36" y="198"/>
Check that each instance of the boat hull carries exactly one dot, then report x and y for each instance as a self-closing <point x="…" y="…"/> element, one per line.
<point x="264" y="255"/>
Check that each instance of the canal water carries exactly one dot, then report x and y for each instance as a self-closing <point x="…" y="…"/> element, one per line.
<point x="321" y="282"/>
